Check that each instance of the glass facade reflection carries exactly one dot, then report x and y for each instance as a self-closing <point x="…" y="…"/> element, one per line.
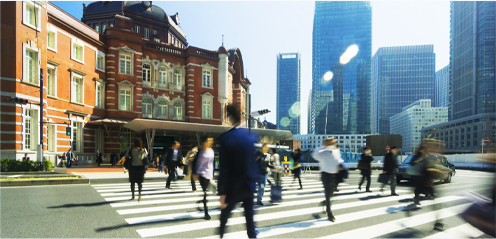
<point x="337" y="26"/>
<point x="441" y="91"/>
<point x="401" y="75"/>
<point x="288" y="92"/>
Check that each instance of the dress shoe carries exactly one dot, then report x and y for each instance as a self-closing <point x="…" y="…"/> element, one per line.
<point x="259" y="203"/>
<point x="331" y="218"/>
<point x="439" y="226"/>
<point x="207" y="217"/>
<point x="132" y="198"/>
<point x="368" y="191"/>
<point x="416" y="201"/>
<point x="299" y="189"/>
<point x="394" y="194"/>
<point x="360" y="187"/>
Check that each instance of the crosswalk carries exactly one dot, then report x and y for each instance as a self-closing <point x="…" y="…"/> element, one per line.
<point x="173" y="213"/>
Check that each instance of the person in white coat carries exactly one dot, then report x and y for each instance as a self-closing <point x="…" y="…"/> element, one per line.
<point x="330" y="163"/>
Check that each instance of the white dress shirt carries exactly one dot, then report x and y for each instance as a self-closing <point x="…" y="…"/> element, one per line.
<point x="329" y="161"/>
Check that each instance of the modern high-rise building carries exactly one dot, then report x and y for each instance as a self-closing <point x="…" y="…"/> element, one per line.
<point x="288" y="92"/>
<point x="401" y="75"/>
<point x="441" y="89"/>
<point x="342" y="52"/>
<point x="309" y="109"/>
<point x="410" y="121"/>
<point x="472" y="106"/>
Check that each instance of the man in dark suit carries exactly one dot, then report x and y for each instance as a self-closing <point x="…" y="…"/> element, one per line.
<point x="25" y="158"/>
<point x="69" y="157"/>
<point x="173" y="159"/>
<point x="113" y="158"/>
<point x="390" y="165"/>
<point x="237" y="172"/>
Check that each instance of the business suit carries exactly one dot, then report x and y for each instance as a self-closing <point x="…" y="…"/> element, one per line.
<point x="365" y="171"/>
<point x="99" y="158"/>
<point x="69" y="156"/>
<point x="390" y="165"/>
<point x="172" y="162"/>
<point x="238" y="171"/>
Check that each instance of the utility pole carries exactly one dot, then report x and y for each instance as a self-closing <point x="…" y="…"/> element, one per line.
<point x="41" y="116"/>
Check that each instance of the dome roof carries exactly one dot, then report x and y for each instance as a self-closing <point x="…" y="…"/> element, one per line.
<point x="222" y="50"/>
<point x="131" y="6"/>
<point x="103" y="6"/>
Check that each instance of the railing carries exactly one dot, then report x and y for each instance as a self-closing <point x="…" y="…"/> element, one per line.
<point x="203" y="53"/>
<point x="164" y="48"/>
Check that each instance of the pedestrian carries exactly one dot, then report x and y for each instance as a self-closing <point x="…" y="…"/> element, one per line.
<point x="190" y="156"/>
<point x="122" y="162"/>
<point x="69" y="156"/>
<point x="74" y="158"/>
<point x="263" y="160"/>
<point x="98" y="157"/>
<point x="137" y="163"/>
<point x="25" y="158"/>
<point x="275" y="168"/>
<point x="338" y="152"/>
<point x="297" y="156"/>
<point x="160" y="163"/>
<point x="389" y="167"/>
<point x="112" y="158"/>
<point x="365" y="168"/>
<point x="203" y="167"/>
<point x="173" y="159"/>
<point x="330" y="164"/>
<point x="237" y="172"/>
<point x="418" y="163"/>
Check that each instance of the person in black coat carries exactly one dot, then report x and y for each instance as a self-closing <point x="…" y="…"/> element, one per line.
<point x="365" y="168"/>
<point x="390" y="165"/>
<point x="173" y="159"/>
<point x="98" y="157"/>
<point x="297" y="155"/>
<point x="238" y="172"/>
<point x="113" y="158"/>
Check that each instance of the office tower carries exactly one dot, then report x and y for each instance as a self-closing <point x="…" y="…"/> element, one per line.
<point x="401" y="75"/>
<point x="341" y="68"/>
<point x="288" y="92"/>
<point x="441" y="89"/>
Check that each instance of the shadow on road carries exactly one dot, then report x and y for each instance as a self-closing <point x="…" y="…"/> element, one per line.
<point x="71" y="205"/>
<point x="102" y="229"/>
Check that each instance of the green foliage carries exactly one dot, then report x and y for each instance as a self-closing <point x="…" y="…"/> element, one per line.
<point x="12" y="165"/>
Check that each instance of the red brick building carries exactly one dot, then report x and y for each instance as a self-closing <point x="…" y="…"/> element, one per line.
<point x="130" y="60"/>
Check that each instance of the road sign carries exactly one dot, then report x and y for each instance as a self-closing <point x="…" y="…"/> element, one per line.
<point x="485" y="140"/>
<point x="387" y="148"/>
<point x="255" y="114"/>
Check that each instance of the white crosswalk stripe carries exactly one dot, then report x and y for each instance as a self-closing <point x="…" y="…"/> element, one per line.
<point x="172" y="212"/>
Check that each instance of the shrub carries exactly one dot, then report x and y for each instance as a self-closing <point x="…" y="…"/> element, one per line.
<point x="12" y="165"/>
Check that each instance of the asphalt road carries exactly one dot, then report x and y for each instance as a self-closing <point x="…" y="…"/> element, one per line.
<point x="103" y="210"/>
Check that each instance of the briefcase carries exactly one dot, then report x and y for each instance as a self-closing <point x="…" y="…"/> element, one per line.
<point x="275" y="194"/>
<point x="383" y="178"/>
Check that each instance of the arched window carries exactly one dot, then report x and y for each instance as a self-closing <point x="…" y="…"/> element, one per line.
<point x="162" y="75"/>
<point x="146" y="108"/>
<point x="178" y="111"/>
<point x="146" y="73"/>
<point x="162" y="109"/>
<point x="177" y="77"/>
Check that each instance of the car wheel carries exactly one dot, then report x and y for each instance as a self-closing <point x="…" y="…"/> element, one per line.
<point x="448" y="179"/>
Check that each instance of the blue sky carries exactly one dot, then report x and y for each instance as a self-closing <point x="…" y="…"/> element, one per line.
<point x="263" y="29"/>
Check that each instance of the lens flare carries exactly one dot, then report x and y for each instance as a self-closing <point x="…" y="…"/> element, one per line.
<point x="285" y="122"/>
<point x="350" y="52"/>
<point x="328" y="76"/>
<point x="294" y="111"/>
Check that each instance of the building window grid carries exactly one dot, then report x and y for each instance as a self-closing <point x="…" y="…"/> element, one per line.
<point x="206" y="79"/>
<point x="147" y="73"/>
<point x="125" y="64"/>
<point x="162" y="79"/>
<point x="146" y="108"/>
<point x="177" y="77"/>
<point x="125" y="99"/>
<point x="162" y="109"/>
<point x="77" y="89"/>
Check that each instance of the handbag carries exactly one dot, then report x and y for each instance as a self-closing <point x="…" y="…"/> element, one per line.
<point x="383" y="178"/>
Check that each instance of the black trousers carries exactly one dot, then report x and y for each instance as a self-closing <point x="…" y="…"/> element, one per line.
<point x="329" y="181"/>
<point x="172" y="174"/>
<point x="419" y="185"/>
<point x="204" y="184"/>
<point x="368" y="181"/>
<point x="245" y="195"/>
<point x="297" y="173"/>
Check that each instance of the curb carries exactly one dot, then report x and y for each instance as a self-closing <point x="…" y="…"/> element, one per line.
<point x="16" y="183"/>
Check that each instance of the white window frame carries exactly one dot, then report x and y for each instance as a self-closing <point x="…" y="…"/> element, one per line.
<point x="147" y="80"/>
<point x="37" y="9"/>
<point x="130" y="55"/>
<point x="207" y="79"/>
<point x="52" y="138"/>
<point x="73" y="90"/>
<point x="79" y="136"/>
<point x="26" y="78"/>
<point x="125" y="96"/>
<point x="127" y="86"/>
<point x="137" y="29"/>
<point x="176" y="108"/>
<point x="166" y="110"/>
<point x="78" y="43"/>
<point x="162" y="76"/>
<point x="52" y="30"/>
<point x="54" y="80"/>
<point x="97" y="28"/>
<point x="146" y="33"/>
<point x="156" y="40"/>
<point x="32" y="135"/>
<point x="207" y="102"/>
<point x="177" y="77"/>
<point x="100" y="54"/>
<point x="100" y="96"/>
<point x="155" y="32"/>
<point x="147" y="113"/>
<point x="104" y="27"/>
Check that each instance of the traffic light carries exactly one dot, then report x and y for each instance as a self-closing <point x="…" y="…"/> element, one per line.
<point x="261" y="112"/>
<point x="68" y="131"/>
<point x="17" y="100"/>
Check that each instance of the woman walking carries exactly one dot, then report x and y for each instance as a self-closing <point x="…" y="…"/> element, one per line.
<point x="137" y="163"/>
<point x="203" y="168"/>
<point x="190" y="156"/>
<point x="365" y="168"/>
<point x="263" y="161"/>
<point x="297" y="167"/>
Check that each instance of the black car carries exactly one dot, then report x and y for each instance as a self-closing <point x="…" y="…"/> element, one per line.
<point x="443" y="161"/>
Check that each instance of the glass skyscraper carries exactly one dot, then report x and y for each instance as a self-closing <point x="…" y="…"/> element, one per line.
<point x="401" y="75"/>
<point x="288" y="92"/>
<point x="441" y="91"/>
<point x="342" y="97"/>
